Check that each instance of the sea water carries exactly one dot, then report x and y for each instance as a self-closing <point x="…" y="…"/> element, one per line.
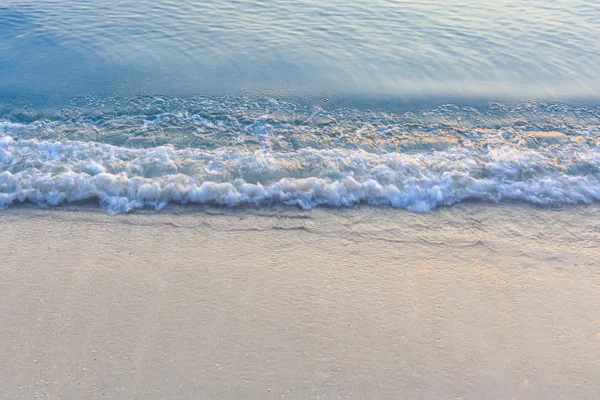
<point x="410" y="104"/>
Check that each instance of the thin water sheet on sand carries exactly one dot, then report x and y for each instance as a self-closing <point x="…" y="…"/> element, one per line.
<point x="472" y="302"/>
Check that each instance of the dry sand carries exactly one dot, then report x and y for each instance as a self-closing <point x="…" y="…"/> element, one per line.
<point x="473" y="302"/>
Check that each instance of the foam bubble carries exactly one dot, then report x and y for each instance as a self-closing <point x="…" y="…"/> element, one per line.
<point x="122" y="179"/>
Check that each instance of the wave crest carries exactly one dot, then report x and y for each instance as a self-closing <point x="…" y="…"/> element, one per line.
<point x="122" y="179"/>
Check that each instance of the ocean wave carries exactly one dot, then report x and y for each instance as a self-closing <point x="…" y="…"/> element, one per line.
<point x="122" y="179"/>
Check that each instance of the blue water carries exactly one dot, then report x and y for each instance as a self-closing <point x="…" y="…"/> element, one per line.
<point x="411" y="104"/>
<point x="493" y="49"/>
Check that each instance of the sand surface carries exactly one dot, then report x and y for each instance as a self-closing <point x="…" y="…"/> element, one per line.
<point x="472" y="302"/>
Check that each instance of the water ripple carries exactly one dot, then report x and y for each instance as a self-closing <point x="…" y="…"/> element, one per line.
<point x="498" y="49"/>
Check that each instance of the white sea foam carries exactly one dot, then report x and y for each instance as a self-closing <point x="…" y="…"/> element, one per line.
<point x="122" y="179"/>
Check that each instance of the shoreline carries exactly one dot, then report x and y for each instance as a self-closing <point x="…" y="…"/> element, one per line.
<point x="473" y="301"/>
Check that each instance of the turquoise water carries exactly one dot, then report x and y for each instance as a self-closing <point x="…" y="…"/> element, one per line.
<point x="490" y="49"/>
<point x="410" y="104"/>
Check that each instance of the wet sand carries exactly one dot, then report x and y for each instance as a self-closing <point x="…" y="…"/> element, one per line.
<point x="473" y="302"/>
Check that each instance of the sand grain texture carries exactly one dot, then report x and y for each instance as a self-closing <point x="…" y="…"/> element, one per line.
<point x="472" y="302"/>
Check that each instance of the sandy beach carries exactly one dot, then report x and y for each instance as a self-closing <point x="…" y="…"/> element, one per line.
<point x="311" y="200"/>
<point x="472" y="302"/>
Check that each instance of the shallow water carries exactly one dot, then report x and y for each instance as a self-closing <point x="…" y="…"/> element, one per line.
<point x="407" y="104"/>
<point x="458" y="48"/>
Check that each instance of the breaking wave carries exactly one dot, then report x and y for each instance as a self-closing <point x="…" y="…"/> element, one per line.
<point x="387" y="165"/>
